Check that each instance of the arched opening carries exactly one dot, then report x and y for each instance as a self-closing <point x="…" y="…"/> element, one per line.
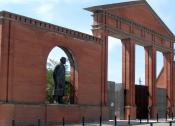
<point x="70" y="87"/>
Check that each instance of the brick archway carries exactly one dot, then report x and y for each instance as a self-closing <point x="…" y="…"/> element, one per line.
<point x="136" y="22"/>
<point x="73" y="72"/>
<point x="26" y="44"/>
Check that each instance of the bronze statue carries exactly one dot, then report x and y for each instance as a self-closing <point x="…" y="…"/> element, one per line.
<point x="59" y="81"/>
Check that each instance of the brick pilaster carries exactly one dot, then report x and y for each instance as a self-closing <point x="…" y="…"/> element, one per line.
<point x="128" y="77"/>
<point x="150" y="79"/>
<point x="168" y="66"/>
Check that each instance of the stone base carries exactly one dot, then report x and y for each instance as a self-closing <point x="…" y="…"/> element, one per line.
<point x="7" y="114"/>
<point x="48" y="114"/>
<point x="173" y="111"/>
<point x="153" y="112"/>
<point x="130" y="111"/>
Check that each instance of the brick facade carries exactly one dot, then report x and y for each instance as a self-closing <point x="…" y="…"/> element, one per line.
<point x="24" y="51"/>
<point x="136" y="21"/>
<point x="26" y="43"/>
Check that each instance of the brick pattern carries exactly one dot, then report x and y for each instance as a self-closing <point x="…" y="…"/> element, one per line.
<point x="160" y="82"/>
<point x="24" y="52"/>
<point x="128" y="76"/>
<point x="52" y="114"/>
<point x="125" y="27"/>
<point x="47" y="26"/>
<point x="26" y="43"/>
<point x="138" y="22"/>
<point x="150" y="78"/>
<point x="168" y="66"/>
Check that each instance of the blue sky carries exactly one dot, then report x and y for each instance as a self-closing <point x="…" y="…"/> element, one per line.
<point x="70" y="14"/>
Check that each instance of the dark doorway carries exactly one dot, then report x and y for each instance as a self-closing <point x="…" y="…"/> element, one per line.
<point x="141" y="97"/>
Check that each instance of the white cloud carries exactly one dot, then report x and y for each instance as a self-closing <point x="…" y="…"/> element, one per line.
<point x="45" y="8"/>
<point x="14" y="1"/>
<point x="46" y="11"/>
<point x="7" y="2"/>
<point x="75" y="1"/>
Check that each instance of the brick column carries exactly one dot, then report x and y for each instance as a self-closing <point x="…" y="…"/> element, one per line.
<point x="150" y="78"/>
<point x="128" y="77"/>
<point x="104" y="69"/>
<point x="168" y="67"/>
<point x="99" y="32"/>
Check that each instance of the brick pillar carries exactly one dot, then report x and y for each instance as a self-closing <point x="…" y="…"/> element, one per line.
<point x="150" y="79"/>
<point x="168" y="67"/>
<point x="104" y="37"/>
<point x="128" y="77"/>
<point x="104" y="68"/>
<point x="99" y="32"/>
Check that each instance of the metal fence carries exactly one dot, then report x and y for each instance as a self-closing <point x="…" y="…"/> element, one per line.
<point x="114" y="122"/>
<point x="116" y="105"/>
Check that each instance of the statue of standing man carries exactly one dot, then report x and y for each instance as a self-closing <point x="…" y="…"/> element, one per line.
<point x="59" y="81"/>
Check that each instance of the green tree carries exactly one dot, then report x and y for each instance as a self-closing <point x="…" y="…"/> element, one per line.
<point x="50" y="85"/>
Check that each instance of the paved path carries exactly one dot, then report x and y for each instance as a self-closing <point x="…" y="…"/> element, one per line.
<point x="162" y="122"/>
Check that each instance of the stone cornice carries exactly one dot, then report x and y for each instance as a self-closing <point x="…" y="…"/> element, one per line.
<point x="49" y="27"/>
<point x="126" y="5"/>
<point x="115" y="5"/>
<point x="124" y="34"/>
<point x="135" y="24"/>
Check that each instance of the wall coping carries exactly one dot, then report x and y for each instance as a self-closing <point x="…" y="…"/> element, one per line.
<point x="48" y="26"/>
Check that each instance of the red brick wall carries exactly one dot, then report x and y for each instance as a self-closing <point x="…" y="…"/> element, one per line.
<point x="0" y="46"/>
<point x="30" y="51"/>
<point x="160" y="82"/>
<point x="3" y="61"/>
<point x="25" y="50"/>
<point x="7" y="114"/>
<point x="135" y="13"/>
<point x="174" y="84"/>
<point x="0" y="32"/>
<point x="29" y="114"/>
